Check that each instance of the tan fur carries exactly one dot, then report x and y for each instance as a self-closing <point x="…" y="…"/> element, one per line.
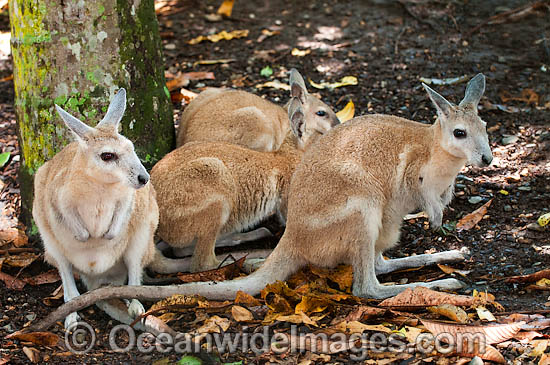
<point x="246" y="119"/>
<point x="209" y="189"/>
<point x="349" y="194"/>
<point x="95" y="217"/>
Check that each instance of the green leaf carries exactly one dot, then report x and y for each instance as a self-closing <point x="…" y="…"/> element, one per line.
<point x="266" y="71"/>
<point x="233" y="363"/>
<point x="190" y="360"/>
<point x="4" y="157"/>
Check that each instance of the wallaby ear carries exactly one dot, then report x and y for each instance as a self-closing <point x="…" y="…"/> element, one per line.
<point x="79" y="128"/>
<point x="296" y="117"/>
<point x="474" y="92"/>
<point x="297" y="86"/>
<point x="116" y="110"/>
<point x="443" y="107"/>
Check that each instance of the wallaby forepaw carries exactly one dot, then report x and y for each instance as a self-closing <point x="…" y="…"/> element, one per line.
<point x="135" y="308"/>
<point x="108" y="235"/>
<point x="71" y="321"/>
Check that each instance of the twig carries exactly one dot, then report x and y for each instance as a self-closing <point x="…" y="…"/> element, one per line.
<point x="523" y="10"/>
<point x="11" y="251"/>
<point x="398" y="38"/>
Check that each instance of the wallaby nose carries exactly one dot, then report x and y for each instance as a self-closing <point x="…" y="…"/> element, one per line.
<point x="487" y="159"/>
<point x="143" y="179"/>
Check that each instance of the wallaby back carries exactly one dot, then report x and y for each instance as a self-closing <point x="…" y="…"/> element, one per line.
<point x="248" y="120"/>
<point x="209" y="189"/>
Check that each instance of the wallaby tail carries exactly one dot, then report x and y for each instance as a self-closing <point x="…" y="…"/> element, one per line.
<point x="164" y="265"/>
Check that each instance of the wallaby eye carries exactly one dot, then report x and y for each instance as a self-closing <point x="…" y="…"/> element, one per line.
<point x="321" y="113"/>
<point x="108" y="156"/>
<point x="459" y="133"/>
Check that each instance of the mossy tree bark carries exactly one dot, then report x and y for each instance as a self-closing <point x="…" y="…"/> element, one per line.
<point x="77" y="54"/>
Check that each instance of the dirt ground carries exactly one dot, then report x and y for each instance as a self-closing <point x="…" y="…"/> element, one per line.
<point x="388" y="46"/>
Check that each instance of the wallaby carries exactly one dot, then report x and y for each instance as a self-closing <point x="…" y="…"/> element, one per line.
<point x="349" y="194"/>
<point x="208" y="190"/>
<point x="96" y="212"/>
<point x="245" y="119"/>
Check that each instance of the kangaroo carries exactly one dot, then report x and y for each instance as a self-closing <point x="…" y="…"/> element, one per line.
<point x="349" y="194"/>
<point x="96" y="212"/>
<point x="246" y="119"/>
<point x="209" y="190"/>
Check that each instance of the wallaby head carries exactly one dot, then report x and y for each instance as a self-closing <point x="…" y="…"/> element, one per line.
<point x="316" y="115"/>
<point x="463" y="132"/>
<point x="109" y="157"/>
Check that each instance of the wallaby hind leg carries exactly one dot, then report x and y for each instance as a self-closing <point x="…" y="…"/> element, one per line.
<point x="365" y="282"/>
<point x="204" y="256"/>
<point x="384" y="266"/>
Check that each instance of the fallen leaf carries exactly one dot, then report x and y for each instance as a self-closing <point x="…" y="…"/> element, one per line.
<point x="298" y="318"/>
<point x="21" y="260"/>
<point x="54" y="298"/>
<point x="447" y="81"/>
<point x="266" y="33"/>
<point x="275" y="84"/>
<point x="47" y="277"/>
<point x="528" y="96"/>
<point x="241" y="33"/>
<point x="526" y="337"/>
<point x="424" y="297"/>
<point x="530" y="278"/>
<point x="12" y="282"/>
<point x="214" y="62"/>
<point x="410" y="333"/>
<point x="266" y="71"/>
<point x="342" y="275"/>
<point x="227" y="272"/>
<point x="241" y="314"/>
<point x="470" y="220"/>
<point x="7" y="78"/>
<point x="493" y="333"/>
<point x="312" y="304"/>
<point x="344" y="81"/>
<point x="531" y="321"/>
<point x="226" y="8"/>
<point x="484" y="314"/>
<point x="300" y="53"/>
<point x="246" y="299"/>
<point x="365" y="312"/>
<point x="451" y="270"/>
<point x="347" y="113"/>
<point x="544" y="359"/>
<point x="539" y="347"/>
<point x="13" y="235"/>
<point x="37" y="338"/>
<point x="4" y="359"/>
<point x="32" y="354"/>
<point x="415" y="216"/>
<point x="183" y="79"/>
<point x="543" y="219"/>
<point x="358" y="327"/>
<point x="450" y="311"/>
<point x="214" y="324"/>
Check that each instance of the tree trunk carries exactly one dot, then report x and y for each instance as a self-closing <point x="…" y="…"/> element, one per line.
<point x="76" y="54"/>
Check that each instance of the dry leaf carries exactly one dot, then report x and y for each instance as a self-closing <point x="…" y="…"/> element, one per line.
<point x="342" y="275"/>
<point x="470" y="220"/>
<point x="7" y="78"/>
<point x="179" y="300"/>
<point x="241" y="314"/>
<point x="411" y="333"/>
<point x="416" y="216"/>
<point x="544" y="359"/>
<point x="214" y="324"/>
<point x="347" y="113"/>
<point x="358" y="327"/>
<point x="532" y="321"/>
<point x="37" y="338"/>
<point x="12" y="282"/>
<point x="298" y="318"/>
<point x="275" y="84"/>
<point x="311" y="304"/>
<point x="54" y="298"/>
<point x="543" y="219"/>
<point x="241" y="33"/>
<point x="365" y="312"/>
<point x="344" y="81"/>
<point x="226" y="8"/>
<point x="494" y="333"/>
<point x="539" y="347"/>
<point x="227" y="272"/>
<point x="528" y="96"/>
<point x="424" y="297"/>
<point x="450" y="311"/>
<point x="183" y="79"/>
<point x="32" y="354"/>
<point x="451" y="270"/>
<point x="530" y="278"/>
<point x="47" y="277"/>
<point x="21" y="260"/>
<point x="15" y="236"/>
<point x="300" y="53"/>
<point x="246" y="299"/>
<point x="484" y="314"/>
